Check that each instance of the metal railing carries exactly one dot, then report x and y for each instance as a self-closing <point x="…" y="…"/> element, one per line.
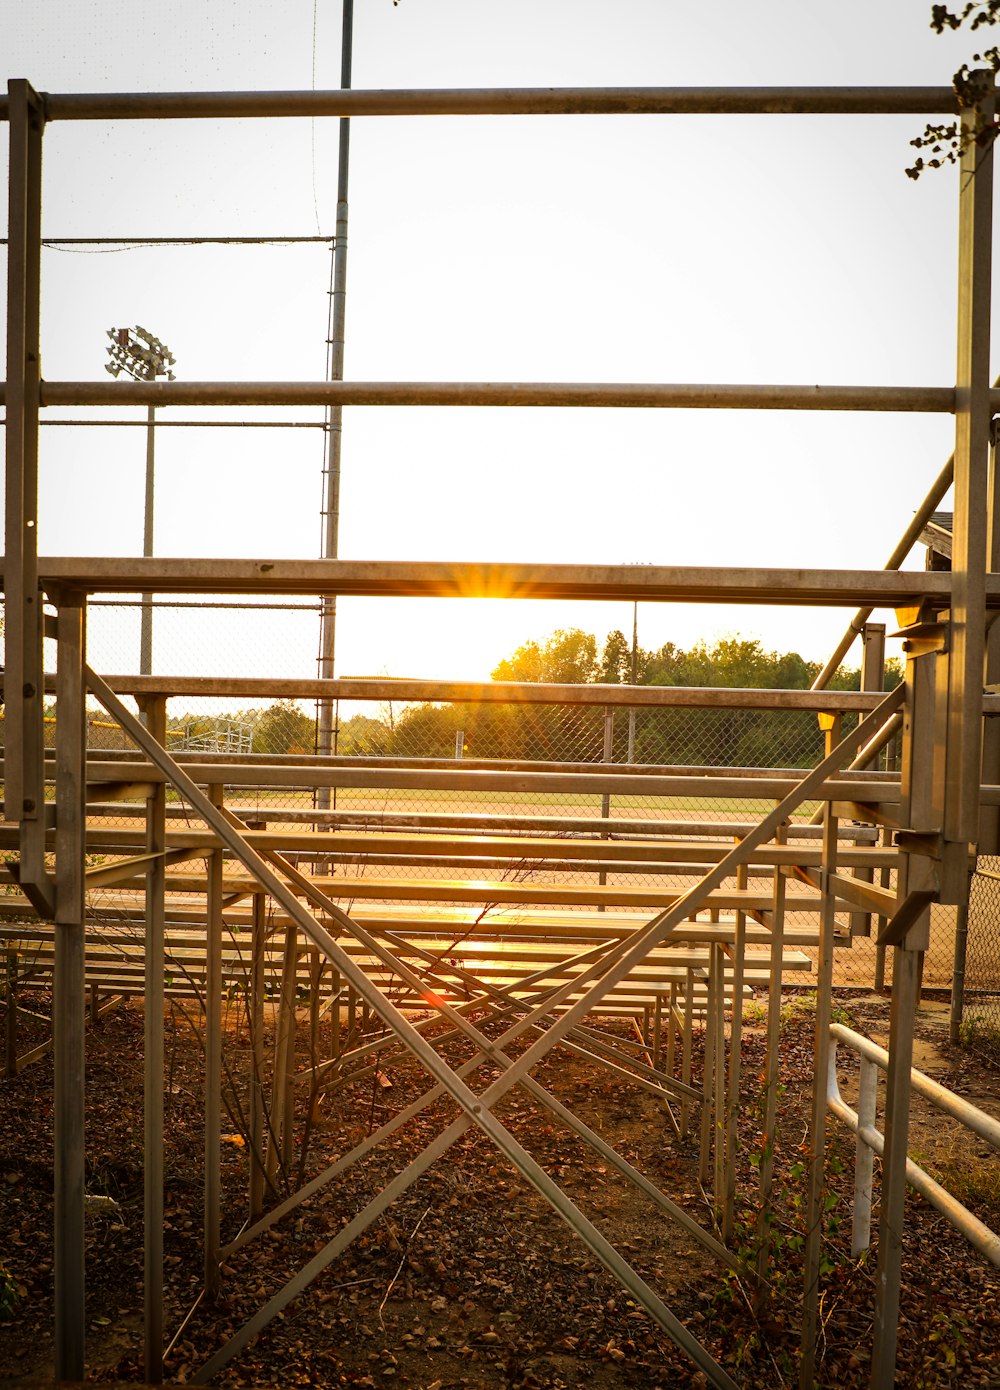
<point x="870" y="1141"/>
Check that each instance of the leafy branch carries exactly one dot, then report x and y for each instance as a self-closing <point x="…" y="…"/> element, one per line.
<point x="947" y="143"/>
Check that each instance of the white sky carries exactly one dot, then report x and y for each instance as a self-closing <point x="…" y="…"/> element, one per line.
<point x="753" y="249"/>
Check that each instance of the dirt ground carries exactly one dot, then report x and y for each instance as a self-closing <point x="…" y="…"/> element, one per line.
<point x="471" y="1280"/>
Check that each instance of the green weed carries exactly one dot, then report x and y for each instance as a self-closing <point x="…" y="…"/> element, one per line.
<point x="978" y="1035"/>
<point x="10" y="1292"/>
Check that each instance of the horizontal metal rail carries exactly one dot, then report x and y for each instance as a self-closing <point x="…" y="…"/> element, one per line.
<point x="861" y="787"/>
<point x="967" y="1114"/>
<point x="871" y="1141"/>
<point x="495" y="579"/>
<point x="579" y="394"/>
<point x="403" y="847"/>
<point x="504" y="101"/>
<point x="439" y="822"/>
<point x="492" y="692"/>
<point x="186" y="757"/>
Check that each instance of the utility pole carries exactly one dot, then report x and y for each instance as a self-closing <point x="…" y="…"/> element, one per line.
<point x="334" y="430"/>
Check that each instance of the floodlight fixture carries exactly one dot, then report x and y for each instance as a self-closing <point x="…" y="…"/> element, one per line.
<point x="140" y="354"/>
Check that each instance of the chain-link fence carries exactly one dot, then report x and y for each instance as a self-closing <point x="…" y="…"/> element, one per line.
<point x="981" y="1011"/>
<point x="717" y="738"/>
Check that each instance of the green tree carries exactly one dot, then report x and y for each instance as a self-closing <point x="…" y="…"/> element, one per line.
<point x="616" y="660"/>
<point x="361" y="735"/>
<point x="568" y="657"/>
<point x="283" y="728"/>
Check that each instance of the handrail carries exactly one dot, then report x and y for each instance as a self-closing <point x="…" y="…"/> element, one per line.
<point x="503" y="101"/>
<point x="405" y="689"/>
<point x="871" y="1141"/>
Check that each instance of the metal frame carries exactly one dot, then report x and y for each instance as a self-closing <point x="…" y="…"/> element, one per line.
<point x="874" y="1059"/>
<point x="942" y="703"/>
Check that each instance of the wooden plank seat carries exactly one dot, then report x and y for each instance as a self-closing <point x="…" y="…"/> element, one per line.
<point x="414" y="918"/>
<point x="115" y="958"/>
<point x="631" y="854"/>
<point x="487" y="892"/>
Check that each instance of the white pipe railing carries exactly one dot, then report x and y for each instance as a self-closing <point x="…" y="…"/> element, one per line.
<point x="871" y="1141"/>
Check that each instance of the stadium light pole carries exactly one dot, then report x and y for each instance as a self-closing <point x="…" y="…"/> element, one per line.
<point x="142" y="357"/>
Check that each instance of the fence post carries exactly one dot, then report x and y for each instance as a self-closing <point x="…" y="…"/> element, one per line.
<point x="608" y="754"/>
<point x="989" y="816"/>
<point x="864" y="1159"/>
<point x="958" y="974"/>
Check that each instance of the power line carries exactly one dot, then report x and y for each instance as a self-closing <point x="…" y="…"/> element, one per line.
<point x="113" y="245"/>
<point x="167" y="603"/>
<point x="191" y="424"/>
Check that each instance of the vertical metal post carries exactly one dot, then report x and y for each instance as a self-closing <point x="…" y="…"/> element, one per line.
<point x="718" y="1023"/>
<point x="735" y="1050"/>
<point x="633" y="678"/>
<point x="671" y="1030"/>
<point x="872" y="678"/>
<point x="146" y="629"/>
<point x="336" y="988"/>
<point x="708" y="1081"/>
<point x="315" y="975"/>
<point x="686" y="1044"/>
<point x="24" y="790"/>
<point x="873" y="656"/>
<point x="905" y="987"/>
<point x="927" y="684"/>
<point x="282" y="1094"/>
<point x="771" y="1066"/>
<point x="607" y="755"/>
<point x="69" y="991"/>
<point x="885" y="878"/>
<point x="10" y="1023"/>
<point x="963" y="745"/>
<point x="989" y="816"/>
<point x="258" y="1130"/>
<point x="213" y="1061"/>
<point x="817" y="1143"/>
<point x="156" y="843"/>
<point x="864" y="1159"/>
<point x="334" y="430"/>
<point x="634" y="663"/>
<point x="958" y="975"/>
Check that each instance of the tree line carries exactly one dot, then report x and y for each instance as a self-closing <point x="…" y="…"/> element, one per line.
<point x="518" y="731"/>
<point x="701" y="737"/>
